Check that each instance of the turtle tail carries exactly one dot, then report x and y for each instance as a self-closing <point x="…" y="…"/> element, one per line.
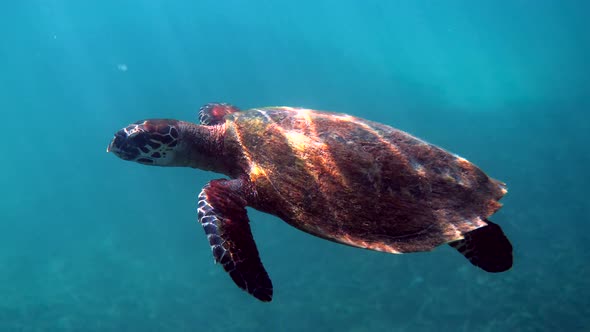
<point x="487" y="248"/>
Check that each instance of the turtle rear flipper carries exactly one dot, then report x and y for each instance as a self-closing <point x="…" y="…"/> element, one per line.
<point x="222" y="212"/>
<point x="487" y="248"/>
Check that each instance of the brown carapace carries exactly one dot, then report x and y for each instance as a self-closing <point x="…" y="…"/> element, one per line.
<point x="338" y="177"/>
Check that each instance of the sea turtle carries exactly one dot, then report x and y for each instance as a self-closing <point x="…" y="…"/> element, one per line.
<point x="335" y="176"/>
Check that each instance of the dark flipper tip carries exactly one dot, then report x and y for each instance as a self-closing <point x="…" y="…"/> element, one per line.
<point x="260" y="286"/>
<point x="486" y="247"/>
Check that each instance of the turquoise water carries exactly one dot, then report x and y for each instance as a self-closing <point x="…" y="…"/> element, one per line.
<point x="91" y="243"/>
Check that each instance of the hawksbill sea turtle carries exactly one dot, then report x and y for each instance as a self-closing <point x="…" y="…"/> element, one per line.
<point x="335" y="176"/>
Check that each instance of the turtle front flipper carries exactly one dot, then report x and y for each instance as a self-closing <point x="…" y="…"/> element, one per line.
<point x="222" y="212"/>
<point x="213" y="113"/>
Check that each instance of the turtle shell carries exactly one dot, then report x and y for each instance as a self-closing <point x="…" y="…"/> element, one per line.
<point x="358" y="182"/>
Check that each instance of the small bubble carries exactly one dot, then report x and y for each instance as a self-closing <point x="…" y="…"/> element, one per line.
<point x="122" y="67"/>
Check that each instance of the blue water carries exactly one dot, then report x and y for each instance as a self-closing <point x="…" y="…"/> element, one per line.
<point x="89" y="242"/>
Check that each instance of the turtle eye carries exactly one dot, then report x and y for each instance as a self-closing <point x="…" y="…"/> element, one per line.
<point x="121" y="134"/>
<point x="138" y="140"/>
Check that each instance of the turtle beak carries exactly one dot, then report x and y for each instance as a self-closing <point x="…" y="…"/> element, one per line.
<point x="110" y="146"/>
<point x="120" y="147"/>
<point x="116" y="141"/>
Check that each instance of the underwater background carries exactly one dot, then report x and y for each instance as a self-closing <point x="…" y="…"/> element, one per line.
<point x="89" y="242"/>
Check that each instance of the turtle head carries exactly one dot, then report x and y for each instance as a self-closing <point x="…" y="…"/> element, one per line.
<point x="148" y="142"/>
